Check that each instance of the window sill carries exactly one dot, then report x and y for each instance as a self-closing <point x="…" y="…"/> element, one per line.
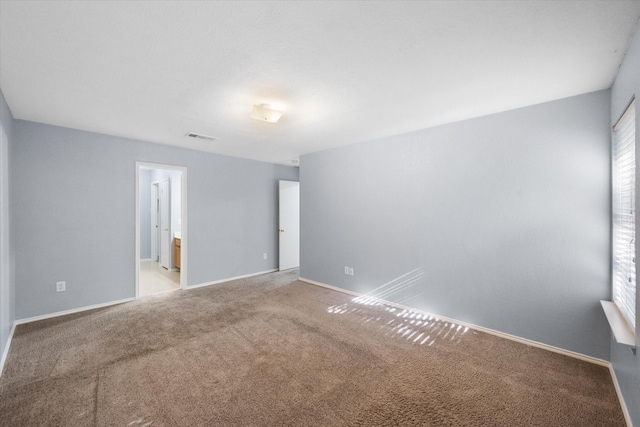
<point x="621" y="329"/>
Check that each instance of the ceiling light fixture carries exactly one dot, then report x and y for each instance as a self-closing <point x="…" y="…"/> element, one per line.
<point x="265" y="113"/>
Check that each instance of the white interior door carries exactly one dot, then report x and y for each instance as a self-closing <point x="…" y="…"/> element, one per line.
<point x="155" y="226"/>
<point x="165" y="224"/>
<point x="289" y="218"/>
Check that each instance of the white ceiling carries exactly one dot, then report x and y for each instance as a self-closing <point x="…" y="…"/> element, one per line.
<point x="345" y="72"/>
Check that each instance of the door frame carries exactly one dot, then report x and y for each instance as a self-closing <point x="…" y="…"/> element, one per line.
<point x="183" y="208"/>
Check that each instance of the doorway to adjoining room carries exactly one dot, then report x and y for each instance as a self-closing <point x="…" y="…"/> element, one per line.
<point x="159" y="228"/>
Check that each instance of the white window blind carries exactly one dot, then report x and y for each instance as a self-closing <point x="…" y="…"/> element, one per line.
<point x="624" y="206"/>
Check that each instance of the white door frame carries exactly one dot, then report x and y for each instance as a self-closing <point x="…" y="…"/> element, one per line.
<point x="185" y="234"/>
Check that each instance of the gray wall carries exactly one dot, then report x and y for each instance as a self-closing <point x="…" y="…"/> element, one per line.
<point x="74" y="215"/>
<point x="625" y="87"/>
<point x="7" y="289"/>
<point x="501" y="221"/>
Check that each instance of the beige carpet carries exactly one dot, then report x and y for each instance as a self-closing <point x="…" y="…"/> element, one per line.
<point x="272" y="351"/>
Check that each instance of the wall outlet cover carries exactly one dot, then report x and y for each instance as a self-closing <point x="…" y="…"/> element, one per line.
<point x="61" y="286"/>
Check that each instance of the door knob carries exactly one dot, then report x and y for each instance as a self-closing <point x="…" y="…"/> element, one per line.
<point x="281" y="230"/>
<point x="166" y="229"/>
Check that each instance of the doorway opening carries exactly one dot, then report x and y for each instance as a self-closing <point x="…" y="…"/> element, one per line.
<point x="161" y="229"/>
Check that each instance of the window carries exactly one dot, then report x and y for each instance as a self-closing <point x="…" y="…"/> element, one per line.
<point x="623" y="215"/>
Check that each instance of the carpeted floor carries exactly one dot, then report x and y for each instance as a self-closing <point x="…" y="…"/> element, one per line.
<point x="273" y="351"/>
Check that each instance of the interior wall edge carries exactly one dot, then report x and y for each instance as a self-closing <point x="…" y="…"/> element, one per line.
<point x="5" y="353"/>
<point x="623" y="404"/>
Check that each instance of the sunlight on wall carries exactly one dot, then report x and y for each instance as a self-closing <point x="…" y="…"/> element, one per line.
<point x="413" y="326"/>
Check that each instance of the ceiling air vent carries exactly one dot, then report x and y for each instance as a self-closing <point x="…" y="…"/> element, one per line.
<point x="200" y="136"/>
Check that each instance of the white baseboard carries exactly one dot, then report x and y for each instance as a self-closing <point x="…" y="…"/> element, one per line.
<point x="215" y="282"/>
<point x="344" y="291"/>
<point x="625" y="411"/>
<point x="548" y="347"/>
<point x="5" y="353"/>
<point x="525" y="341"/>
<point x="73" y="310"/>
<point x="106" y="304"/>
<point x="145" y="259"/>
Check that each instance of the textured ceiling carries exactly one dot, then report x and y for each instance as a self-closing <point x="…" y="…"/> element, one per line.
<point x="343" y="71"/>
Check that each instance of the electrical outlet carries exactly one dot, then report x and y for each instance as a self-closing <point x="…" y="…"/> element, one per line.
<point x="61" y="286"/>
<point x="346" y="270"/>
<point x="264" y="255"/>
<point x="350" y="271"/>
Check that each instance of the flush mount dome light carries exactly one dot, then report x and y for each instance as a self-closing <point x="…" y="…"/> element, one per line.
<point x="266" y="113"/>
